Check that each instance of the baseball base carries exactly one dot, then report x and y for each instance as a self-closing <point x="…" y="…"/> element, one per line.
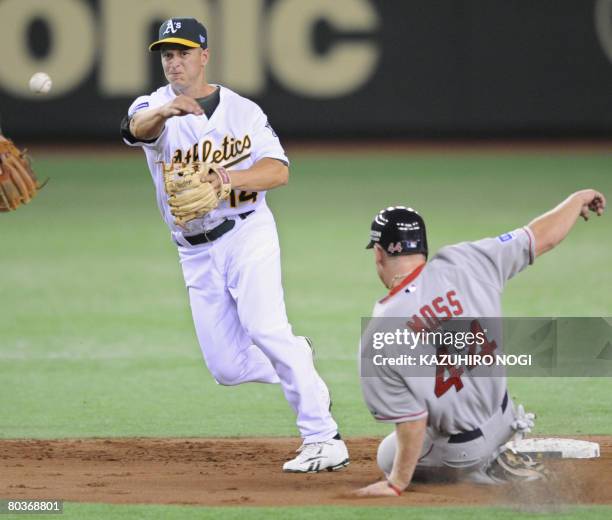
<point x="556" y="448"/>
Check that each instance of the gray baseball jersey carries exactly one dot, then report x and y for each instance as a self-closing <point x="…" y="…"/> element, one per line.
<point x="463" y="280"/>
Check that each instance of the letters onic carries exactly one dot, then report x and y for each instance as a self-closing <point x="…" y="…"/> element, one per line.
<point x="112" y="39"/>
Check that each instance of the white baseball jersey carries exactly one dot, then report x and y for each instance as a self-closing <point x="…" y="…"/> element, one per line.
<point x="236" y="136"/>
<point x="463" y="280"/>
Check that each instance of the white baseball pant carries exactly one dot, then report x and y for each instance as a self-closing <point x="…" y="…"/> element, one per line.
<point x="238" y="309"/>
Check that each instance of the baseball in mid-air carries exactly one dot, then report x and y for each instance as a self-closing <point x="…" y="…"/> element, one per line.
<point x="40" y="83"/>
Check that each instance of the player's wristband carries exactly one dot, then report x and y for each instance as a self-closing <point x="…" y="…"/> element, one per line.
<point x="395" y="489"/>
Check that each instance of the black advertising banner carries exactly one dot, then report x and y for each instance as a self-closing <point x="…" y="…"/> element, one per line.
<point x="320" y="68"/>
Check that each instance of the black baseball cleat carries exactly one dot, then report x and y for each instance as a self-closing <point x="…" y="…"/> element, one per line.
<point x="512" y="465"/>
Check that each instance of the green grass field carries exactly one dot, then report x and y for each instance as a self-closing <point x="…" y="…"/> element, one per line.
<point x="96" y="334"/>
<point x="80" y="511"/>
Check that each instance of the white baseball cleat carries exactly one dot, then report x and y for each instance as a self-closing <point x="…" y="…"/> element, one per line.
<point x="331" y="455"/>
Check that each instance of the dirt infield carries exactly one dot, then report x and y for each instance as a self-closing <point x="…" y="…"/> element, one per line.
<point x="247" y="472"/>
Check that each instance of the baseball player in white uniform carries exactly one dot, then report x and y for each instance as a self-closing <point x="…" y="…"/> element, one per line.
<point x="230" y="257"/>
<point x="449" y="422"/>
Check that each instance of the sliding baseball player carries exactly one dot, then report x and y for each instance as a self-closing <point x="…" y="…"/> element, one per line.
<point x="449" y="423"/>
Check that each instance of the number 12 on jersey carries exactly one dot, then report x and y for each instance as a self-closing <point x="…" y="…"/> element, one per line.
<point x="243" y="196"/>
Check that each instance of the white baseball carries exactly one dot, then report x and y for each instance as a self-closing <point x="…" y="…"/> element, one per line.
<point x="40" y="83"/>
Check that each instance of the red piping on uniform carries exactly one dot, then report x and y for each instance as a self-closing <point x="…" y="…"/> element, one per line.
<point x="530" y="245"/>
<point x="382" y="418"/>
<point x="404" y="282"/>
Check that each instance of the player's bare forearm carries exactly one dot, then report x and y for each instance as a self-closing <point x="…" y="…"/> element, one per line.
<point x="148" y="124"/>
<point x="552" y="227"/>
<point x="265" y="174"/>
<point x="409" y="436"/>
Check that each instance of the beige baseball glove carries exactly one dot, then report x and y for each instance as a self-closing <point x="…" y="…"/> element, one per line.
<point x="190" y="196"/>
<point x="18" y="183"/>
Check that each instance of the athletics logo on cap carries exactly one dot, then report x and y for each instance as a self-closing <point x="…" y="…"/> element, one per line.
<point x="170" y="27"/>
<point x="186" y="32"/>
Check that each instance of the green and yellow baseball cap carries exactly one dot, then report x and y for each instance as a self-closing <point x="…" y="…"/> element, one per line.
<point x="183" y="31"/>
